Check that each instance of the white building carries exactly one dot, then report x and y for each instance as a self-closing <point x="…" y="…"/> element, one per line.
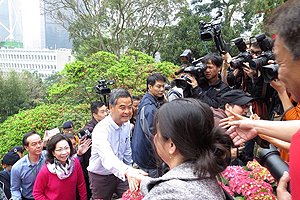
<point x="45" y="62"/>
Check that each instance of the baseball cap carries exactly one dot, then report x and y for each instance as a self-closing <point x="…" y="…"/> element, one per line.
<point x="17" y="149"/>
<point x="10" y="158"/>
<point x="67" y="124"/>
<point x="236" y="97"/>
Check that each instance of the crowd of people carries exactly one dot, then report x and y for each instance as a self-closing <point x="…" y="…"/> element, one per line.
<point x="172" y="145"/>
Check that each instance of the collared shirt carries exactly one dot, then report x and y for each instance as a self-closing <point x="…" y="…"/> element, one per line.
<point x="23" y="174"/>
<point x="111" y="152"/>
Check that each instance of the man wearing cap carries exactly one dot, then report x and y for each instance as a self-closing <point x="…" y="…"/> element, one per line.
<point x="19" y="150"/>
<point x="8" y="161"/>
<point x="67" y="128"/>
<point x="238" y="102"/>
<point x="24" y="172"/>
<point x="233" y="101"/>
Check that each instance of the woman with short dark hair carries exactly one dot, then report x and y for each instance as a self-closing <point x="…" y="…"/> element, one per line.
<point x="196" y="152"/>
<point x="61" y="174"/>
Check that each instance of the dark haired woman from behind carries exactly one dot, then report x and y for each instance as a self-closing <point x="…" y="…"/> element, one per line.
<point x="193" y="148"/>
<point x="61" y="174"/>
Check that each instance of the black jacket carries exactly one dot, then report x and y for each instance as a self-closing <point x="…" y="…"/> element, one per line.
<point x="210" y="94"/>
<point x="86" y="157"/>
<point x="5" y="182"/>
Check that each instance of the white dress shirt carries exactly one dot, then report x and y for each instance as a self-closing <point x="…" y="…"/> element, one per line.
<point x="111" y="151"/>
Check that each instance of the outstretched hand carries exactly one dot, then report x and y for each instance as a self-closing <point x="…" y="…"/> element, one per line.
<point x="234" y="117"/>
<point x="241" y="131"/>
<point x="83" y="146"/>
<point x="134" y="178"/>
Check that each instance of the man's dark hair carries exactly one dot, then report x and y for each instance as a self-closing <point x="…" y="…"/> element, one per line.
<point x="214" y="58"/>
<point x="118" y="93"/>
<point x="52" y="144"/>
<point x="25" y="141"/>
<point x="152" y="78"/>
<point x="136" y="98"/>
<point x="95" y="105"/>
<point x="285" y="21"/>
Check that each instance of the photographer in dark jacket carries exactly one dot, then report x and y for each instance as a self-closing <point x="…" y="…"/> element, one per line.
<point x="99" y="111"/>
<point x="212" y="87"/>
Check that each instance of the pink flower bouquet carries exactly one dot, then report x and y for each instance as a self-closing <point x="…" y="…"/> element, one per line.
<point x="251" y="182"/>
<point x="132" y="195"/>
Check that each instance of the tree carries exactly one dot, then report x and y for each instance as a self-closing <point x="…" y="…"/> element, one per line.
<point x="19" y="91"/>
<point x="239" y="16"/>
<point x="129" y="72"/>
<point x="114" y="25"/>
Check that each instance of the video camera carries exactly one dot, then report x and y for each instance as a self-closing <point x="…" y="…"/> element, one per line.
<point x="266" y="55"/>
<point x="244" y="55"/>
<point x="212" y="30"/>
<point x="102" y="89"/>
<point x="196" y="69"/>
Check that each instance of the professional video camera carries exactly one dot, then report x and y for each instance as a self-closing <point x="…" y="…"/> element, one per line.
<point x="270" y="158"/>
<point x="266" y="55"/>
<point x="212" y="30"/>
<point x="270" y="72"/>
<point x="196" y="69"/>
<point x="102" y="89"/>
<point x="243" y="56"/>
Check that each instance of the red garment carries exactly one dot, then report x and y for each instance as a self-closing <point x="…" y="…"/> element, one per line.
<point x="48" y="186"/>
<point x="294" y="166"/>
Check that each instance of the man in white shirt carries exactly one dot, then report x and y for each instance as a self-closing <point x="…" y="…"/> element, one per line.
<point x="111" y="161"/>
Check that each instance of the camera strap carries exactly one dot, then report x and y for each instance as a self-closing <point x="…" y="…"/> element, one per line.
<point x="144" y="125"/>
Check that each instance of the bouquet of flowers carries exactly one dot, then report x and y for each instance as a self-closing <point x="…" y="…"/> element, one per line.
<point x="250" y="182"/>
<point x="132" y="195"/>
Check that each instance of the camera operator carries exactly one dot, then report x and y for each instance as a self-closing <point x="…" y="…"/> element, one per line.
<point x="212" y="87"/>
<point x="285" y="21"/>
<point x="251" y="81"/>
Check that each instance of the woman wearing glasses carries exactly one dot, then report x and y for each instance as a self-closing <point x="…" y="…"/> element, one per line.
<point x="62" y="173"/>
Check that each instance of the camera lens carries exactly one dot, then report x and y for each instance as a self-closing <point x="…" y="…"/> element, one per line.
<point x="270" y="158"/>
<point x="259" y="62"/>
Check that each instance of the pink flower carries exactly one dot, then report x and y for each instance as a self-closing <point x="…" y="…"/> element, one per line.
<point x="132" y="195"/>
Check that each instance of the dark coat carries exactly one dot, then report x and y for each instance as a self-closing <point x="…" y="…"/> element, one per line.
<point x="5" y="180"/>
<point x="210" y="94"/>
<point x="142" y="148"/>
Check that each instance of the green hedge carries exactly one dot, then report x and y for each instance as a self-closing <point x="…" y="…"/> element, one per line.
<point x="44" y="117"/>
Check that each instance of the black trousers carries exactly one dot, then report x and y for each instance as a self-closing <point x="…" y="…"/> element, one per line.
<point x="103" y="186"/>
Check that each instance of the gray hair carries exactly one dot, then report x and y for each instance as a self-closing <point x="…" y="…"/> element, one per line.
<point x="285" y="21"/>
<point x="117" y="93"/>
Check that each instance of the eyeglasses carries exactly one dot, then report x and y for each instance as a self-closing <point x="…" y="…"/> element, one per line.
<point x="257" y="53"/>
<point x="67" y="148"/>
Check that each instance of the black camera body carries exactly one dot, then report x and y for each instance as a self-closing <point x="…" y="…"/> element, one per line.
<point x="243" y="56"/>
<point x="270" y="72"/>
<point x="212" y="30"/>
<point x="261" y="60"/>
<point x="85" y="134"/>
<point x="196" y="71"/>
<point x="266" y="55"/>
